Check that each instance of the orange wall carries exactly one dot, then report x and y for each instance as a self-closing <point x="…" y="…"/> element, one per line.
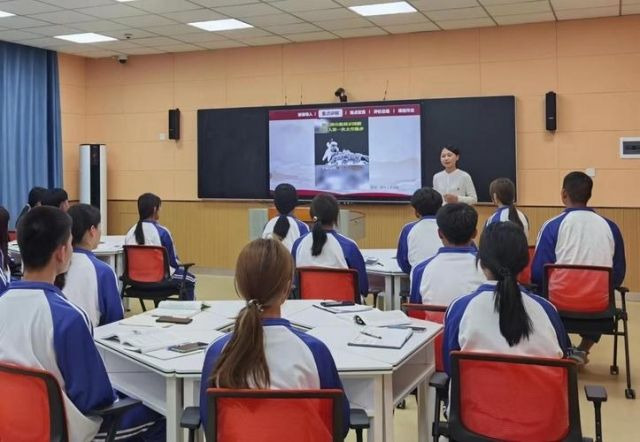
<point x="593" y="65"/>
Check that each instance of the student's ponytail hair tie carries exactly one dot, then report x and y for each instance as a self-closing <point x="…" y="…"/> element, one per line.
<point x="315" y="219"/>
<point x="256" y="304"/>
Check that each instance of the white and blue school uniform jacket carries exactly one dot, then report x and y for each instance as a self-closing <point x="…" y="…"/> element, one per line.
<point x="502" y="215"/>
<point x="339" y="252"/>
<point x="40" y="329"/>
<point x="5" y="274"/>
<point x="418" y="241"/>
<point x="473" y="324"/>
<point x="580" y="237"/>
<point x="296" y="229"/>
<point x="296" y="361"/>
<point x="155" y="235"/>
<point x="92" y="285"/>
<point x="449" y="274"/>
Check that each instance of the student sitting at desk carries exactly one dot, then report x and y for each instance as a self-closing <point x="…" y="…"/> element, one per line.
<point x="56" y="197"/>
<point x="90" y="283"/>
<point x="452" y="272"/>
<point x="285" y="227"/>
<point x="5" y="273"/>
<point x="324" y="247"/>
<point x="148" y="231"/>
<point x="40" y="328"/>
<point x="498" y="317"/>
<point x="36" y="194"/>
<point x="503" y="195"/>
<point x="419" y="240"/>
<point x="264" y="350"/>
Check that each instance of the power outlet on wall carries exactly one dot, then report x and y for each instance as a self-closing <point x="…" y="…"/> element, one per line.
<point x="591" y="171"/>
<point x="162" y="136"/>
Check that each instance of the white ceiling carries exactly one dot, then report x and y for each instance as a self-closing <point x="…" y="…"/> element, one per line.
<point x="158" y="26"/>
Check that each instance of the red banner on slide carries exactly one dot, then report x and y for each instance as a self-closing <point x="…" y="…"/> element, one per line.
<point x="346" y="112"/>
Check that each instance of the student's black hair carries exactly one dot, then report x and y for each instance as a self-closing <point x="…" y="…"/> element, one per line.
<point x="147" y="204"/>
<point x="55" y="197"/>
<point x="4" y="237"/>
<point x="426" y="201"/>
<point x="324" y="210"/>
<point x="457" y="222"/>
<point x="36" y="195"/>
<point x="285" y="198"/>
<point x="41" y="231"/>
<point x="83" y="217"/>
<point x="450" y="148"/>
<point x="505" y="192"/>
<point x="505" y="253"/>
<point x="578" y="186"/>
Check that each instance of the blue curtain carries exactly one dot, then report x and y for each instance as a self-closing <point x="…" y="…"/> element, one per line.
<point x="30" y="134"/>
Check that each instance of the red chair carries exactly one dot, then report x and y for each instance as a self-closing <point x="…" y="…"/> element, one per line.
<point x="433" y="313"/>
<point x="585" y="299"/>
<point x="524" y="277"/>
<point x="32" y="407"/>
<point x="513" y="398"/>
<point x="146" y="275"/>
<point x="328" y="283"/>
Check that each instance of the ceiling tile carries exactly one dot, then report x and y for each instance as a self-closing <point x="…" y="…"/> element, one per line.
<point x="359" y="2"/>
<point x="121" y="44"/>
<point x="171" y="30"/>
<point x="360" y="32"/>
<point x="52" y="30"/>
<point x="199" y="37"/>
<point x="398" y="19"/>
<point x="142" y="51"/>
<point x="411" y="27"/>
<point x="244" y="11"/>
<point x="216" y="3"/>
<point x="181" y="47"/>
<point x="501" y="2"/>
<point x="245" y="33"/>
<point x="73" y="4"/>
<point x="296" y="28"/>
<point x="312" y="36"/>
<point x="346" y="23"/>
<point x="161" y="6"/>
<point x="97" y="53"/>
<point x="99" y="26"/>
<point x="463" y="24"/>
<point x="17" y="35"/>
<point x="457" y="14"/>
<point x="434" y="5"/>
<point x="274" y="19"/>
<point x="524" y="18"/>
<point x="46" y="42"/>
<point x="63" y="17"/>
<point x="145" y="20"/>
<point x="570" y="14"/>
<point x="26" y="7"/>
<point x="520" y="8"/>
<point x="18" y="22"/>
<point x="326" y="14"/>
<point x="559" y="5"/>
<point x="132" y="33"/>
<point x="222" y="44"/>
<point x="193" y="15"/>
<point x="157" y="41"/>
<point x="264" y="41"/>
<point x="112" y="11"/>
<point x="305" y="5"/>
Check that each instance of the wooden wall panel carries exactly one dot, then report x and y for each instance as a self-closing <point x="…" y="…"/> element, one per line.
<point x="212" y="233"/>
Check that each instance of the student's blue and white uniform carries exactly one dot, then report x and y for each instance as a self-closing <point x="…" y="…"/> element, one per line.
<point x="502" y="215"/>
<point x="296" y="361"/>
<point x="580" y="237"/>
<point x="41" y="329"/>
<point x="418" y="241"/>
<point x="339" y="252"/>
<point x="92" y="285"/>
<point x="473" y="324"/>
<point x="158" y="235"/>
<point x="451" y="273"/>
<point x="5" y="274"/>
<point x="296" y="229"/>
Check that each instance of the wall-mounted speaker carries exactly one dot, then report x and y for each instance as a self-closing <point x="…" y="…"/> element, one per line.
<point x="174" y="124"/>
<point x="551" y="121"/>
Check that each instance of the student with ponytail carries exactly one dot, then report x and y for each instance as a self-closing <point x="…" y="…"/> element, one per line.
<point x="148" y="231"/>
<point x="285" y="227"/>
<point x="324" y="247"/>
<point x="501" y="317"/>
<point x="264" y="351"/>
<point x="503" y="195"/>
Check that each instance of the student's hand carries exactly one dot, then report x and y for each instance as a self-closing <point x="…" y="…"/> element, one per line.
<point x="450" y="198"/>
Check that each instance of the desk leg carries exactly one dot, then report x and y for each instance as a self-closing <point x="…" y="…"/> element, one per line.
<point x="376" y="431"/>
<point x="174" y="409"/>
<point x="191" y="398"/>
<point x="388" y="292"/>
<point x="425" y="411"/>
<point x="388" y="408"/>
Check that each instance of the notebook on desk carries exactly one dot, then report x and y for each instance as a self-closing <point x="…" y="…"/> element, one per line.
<point x="381" y="338"/>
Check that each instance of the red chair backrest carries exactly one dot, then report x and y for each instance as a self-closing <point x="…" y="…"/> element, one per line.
<point x="274" y="415"/>
<point x="146" y="264"/>
<point x="31" y="406"/>
<point x="433" y="313"/>
<point x="578" y="289"/>
<point x="13" y="235"/>
<point x="327" y="283"/>
<point x="513" y="398"/>
<point x="525" y="276"/>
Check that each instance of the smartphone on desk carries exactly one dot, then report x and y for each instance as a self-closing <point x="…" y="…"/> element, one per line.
<point x="174" y="320"/>
<point x="336" y="303"/>
<point x="188" y="348"/>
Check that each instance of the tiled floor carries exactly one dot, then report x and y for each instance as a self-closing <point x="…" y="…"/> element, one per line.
<point x="620" y="416"/>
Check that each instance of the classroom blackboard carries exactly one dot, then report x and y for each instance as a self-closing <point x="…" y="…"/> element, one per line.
<point x="233" y="158"/>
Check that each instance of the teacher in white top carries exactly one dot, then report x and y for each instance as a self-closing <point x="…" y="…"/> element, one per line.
<point x="454" y="185"/>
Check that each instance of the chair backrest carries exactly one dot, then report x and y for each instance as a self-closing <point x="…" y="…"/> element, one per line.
<point x="579" y="290"/>
<point x="13" y="235"/>
<point x="525" y="276"/>
<point x="146" y="264"/>
<point x="274" y="415"/>
<point x="328" y="283"/>
<point x="433" y="313"/>
<point x="513" y="398"/>
<point x="31" y="405"/>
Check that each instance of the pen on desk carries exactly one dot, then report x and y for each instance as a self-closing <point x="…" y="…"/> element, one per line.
<point x="371" y="335"/>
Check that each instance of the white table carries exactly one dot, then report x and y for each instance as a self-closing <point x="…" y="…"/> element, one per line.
<point x="387" y="267"/>
<point x="373" y="379"/>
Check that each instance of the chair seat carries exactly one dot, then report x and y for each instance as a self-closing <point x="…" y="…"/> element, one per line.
<point x="604" y="326"/>
<point x="166" y="285"/>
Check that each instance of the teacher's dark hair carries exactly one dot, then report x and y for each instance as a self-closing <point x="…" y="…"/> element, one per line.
<point x="452" y="149"/>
